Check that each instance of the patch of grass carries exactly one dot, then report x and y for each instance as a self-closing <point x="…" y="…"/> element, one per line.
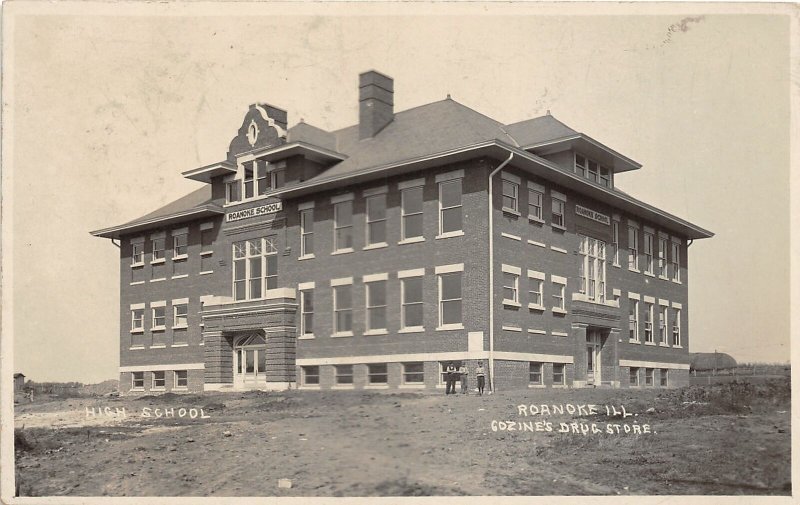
<point x="21" y="441"/>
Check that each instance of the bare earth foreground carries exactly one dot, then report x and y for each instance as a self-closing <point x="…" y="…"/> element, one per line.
<point x="726" y="439"/>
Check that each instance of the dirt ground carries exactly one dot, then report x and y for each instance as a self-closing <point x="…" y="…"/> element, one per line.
<point x="728" y="439"/>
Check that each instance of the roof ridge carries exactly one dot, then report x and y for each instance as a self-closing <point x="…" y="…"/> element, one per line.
<point x="552" y="117"/>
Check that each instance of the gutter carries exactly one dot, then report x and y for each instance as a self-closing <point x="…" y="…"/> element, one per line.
<point x="491" y="269"/>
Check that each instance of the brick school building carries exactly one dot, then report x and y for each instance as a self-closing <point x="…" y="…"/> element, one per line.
<point x="375" y="255"/>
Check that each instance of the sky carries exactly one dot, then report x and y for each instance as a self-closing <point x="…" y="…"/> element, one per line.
<point x="109" y="104"/>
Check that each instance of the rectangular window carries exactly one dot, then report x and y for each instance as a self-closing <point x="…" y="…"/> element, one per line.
<point x="633" y="376"/>
<point x="535" y="373"/>
<point x="233" y="191"/>
<point x="159" y="379"/>
<point x="412" y="307"/>
<point x="648" y="322"/>
<point x="449" y="298"/>
<point x="510" y="288"/>
<point x="181" y="378"/>
<point x="662" y="325"/>
<point x="255" y="268"/>
<point x="633" y="248"/>
<point x="648" y="376"/>
<point x="450" y="206"/>
<point x="592" y="268"/>
<point x="158" y="248"/>
<point x="137" y="319"/>
<point x="262" y="178"/>
<point x="207" y="240"/>
<point x="605" y="177"/>
<point x="411" y="209"/>
<point x="591" y="173"/>
<point x="615" y="241"/>
<point x="249" y="180"/>
<point x="558" y="212"/>
<point x="648" y="253"/>
<point x="137" y="254"/>
<point x="278" y="178"/>
<point x="180" y="315"/>
<point x="558" y="296"/>
<point x="180" y="244"/>
<point x="159" y="317"/>
<point x="662" y="257"/>
<point x="580" y="165"/>
<point x="343" y="226"/>
<point x="535" y="203"/>
<point x="510" y="196"/>
<point x="306" y="232"/>
<point x="137" y="380"/>
<point x="558" y="373"/>
<point x="664" y="377"/>
<point x="376" y="220"/>
<point x="413" y="373"/>
<point x="633" y="320"/>
<point x="344" y="374"/>
<point x="343" y="308"/>
<point x="676" y="269"/>
<point x="676" y="328"/>
<point x="377" y="373"/>
<point x="310" y="375"/>
<point x="376" y="305"/>
<point x="535" y="291"/>
<point x="307" y="312"/>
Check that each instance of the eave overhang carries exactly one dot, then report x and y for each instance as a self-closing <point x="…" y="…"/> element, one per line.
<point x="203" y="211"/>
<point x="204" y="174"/>
<point x="589" y="147"/>
<point x="283" y="151"/>
<point x="524" y="160"/>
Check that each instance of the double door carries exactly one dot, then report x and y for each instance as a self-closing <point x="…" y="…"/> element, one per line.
<point x="250" y="367"/>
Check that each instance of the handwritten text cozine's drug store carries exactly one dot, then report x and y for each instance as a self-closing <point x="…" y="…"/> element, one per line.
<point x="574" y="427"/>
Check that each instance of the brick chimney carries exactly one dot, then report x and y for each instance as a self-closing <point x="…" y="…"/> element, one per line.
<point x="375" y="103"/>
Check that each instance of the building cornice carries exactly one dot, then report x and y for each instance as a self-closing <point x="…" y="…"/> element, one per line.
<point x="203" y="211"/>
<point x="524" y="160"/>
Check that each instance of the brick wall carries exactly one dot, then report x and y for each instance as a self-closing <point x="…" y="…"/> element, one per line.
<point x="195" y="381"/>
<point x="519" y="241"/>
<point x="470" y="249"/>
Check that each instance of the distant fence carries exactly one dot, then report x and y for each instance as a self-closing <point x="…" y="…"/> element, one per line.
<point x="742" y="373"/>
<point x="56" y="389"/>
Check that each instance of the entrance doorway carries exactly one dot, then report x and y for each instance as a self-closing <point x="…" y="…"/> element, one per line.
<point x="249" y="361"/>
<point x="594" y="344"/>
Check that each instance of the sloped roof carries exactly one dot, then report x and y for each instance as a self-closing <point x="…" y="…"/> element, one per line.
<point x="194" y="199"/>
<point x="428" y="129"/>
<point x="195" y="204"/>
<point x="415" y="139"/>
<point x="539" y="129"/>
<point x="304" y="132"/>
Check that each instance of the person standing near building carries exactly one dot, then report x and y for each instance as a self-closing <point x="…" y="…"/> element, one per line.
<point x="462" y="375"/>
<point x="480" y="373"/>
<point x="450" y="378"/>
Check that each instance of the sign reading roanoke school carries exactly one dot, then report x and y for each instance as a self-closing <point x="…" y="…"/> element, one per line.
<point x="592" y="214"/>
<point x="269" y="208"/>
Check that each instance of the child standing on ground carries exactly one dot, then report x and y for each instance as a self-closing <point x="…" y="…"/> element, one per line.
<point x="481" y="374"/>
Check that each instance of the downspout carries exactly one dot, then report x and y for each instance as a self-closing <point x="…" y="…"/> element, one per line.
<point x="491" y="270"/>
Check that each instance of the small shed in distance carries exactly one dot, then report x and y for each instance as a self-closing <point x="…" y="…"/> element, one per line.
<point x="19" y="381"/>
